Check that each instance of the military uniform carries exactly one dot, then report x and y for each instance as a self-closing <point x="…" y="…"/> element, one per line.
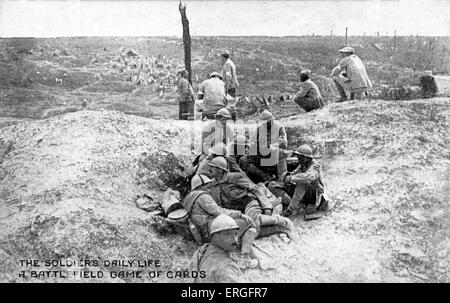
<point x="305" y="187"/>
<point x="355" y="79"/>
<point x="217" y="265"/>
<point x="256" y="166"/>
<point x="185" y="98"/>
<point x="203" y="209"/>
<point x="309" y="98"/>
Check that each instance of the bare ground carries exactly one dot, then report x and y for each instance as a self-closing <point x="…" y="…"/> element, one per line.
<point x="68" y="185"/>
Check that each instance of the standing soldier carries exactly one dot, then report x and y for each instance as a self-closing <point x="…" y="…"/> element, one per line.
<point x="351" y="75"/>
<point x="185" y="95"/>
<point x="229" y="74"/>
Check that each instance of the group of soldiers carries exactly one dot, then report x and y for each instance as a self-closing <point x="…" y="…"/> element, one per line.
<point x="219" y="90"/>
<point x="241" y="187"/>
<point x="231" y="182"/>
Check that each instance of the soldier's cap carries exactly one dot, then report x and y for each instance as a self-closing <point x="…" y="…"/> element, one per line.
<point x="304" y="150"/>
<point x="223" y="112"/>
<point x="222" y="222"/>
<point x="347" y="49"/>
<point x="266" y="115"/>
<point x="218" y="149"/>
<point x="225" y="52"/>
<point x="199" y="180"/>
<point x="219" y="162"/>
<point x="215" y="74"/>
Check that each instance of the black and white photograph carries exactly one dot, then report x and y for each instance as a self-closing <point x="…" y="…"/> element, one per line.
<point x="224" y="141"/>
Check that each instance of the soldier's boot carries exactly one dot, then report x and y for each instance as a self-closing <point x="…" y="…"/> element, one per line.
<point x="278" y="221"/>
<point x="277" y="189"/>
<point x="343" y="95"/>
<point x="244" y="259"/>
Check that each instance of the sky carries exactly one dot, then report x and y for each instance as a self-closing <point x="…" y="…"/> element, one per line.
<point x="62" y="18"/>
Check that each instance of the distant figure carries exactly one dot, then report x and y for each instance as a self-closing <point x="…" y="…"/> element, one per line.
<point x="428" y="86"/>
<point x="309" y="97"/>
<point x="211" y="92"/>
<point x="229" y="74"/>
<point x="185" y="96"/>
<point x="351" y="75"/>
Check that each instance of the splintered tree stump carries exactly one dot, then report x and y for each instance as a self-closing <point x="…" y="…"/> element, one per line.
<point x="428" y="86"/>
<point x="186" y="40"/>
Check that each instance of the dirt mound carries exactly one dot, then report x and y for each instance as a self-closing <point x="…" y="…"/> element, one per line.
<point x="69" y="184"/>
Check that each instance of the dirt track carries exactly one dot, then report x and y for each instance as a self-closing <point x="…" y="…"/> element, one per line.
<point x="68" y="184"/>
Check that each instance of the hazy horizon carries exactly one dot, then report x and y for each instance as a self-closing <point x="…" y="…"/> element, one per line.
<point x="108" y="18"/>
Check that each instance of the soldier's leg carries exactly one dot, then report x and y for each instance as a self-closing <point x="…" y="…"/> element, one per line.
<point x="277" y="220"/>
<point x="340" y="86"/>
<point x="279" y="190"/>
<point x="247" y="235"/>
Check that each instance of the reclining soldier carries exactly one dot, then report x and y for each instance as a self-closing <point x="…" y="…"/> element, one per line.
<point x="217" y="150"/>
<point x="236" y="191"/>
<point x="214" y="258"/>
<point x="302" y="189"/>
<point x="202" y="210"/>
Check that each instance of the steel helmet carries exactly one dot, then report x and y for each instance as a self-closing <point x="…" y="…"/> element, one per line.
<point x="199" y="180"/>
<point x="304" y="150"/>
<point x="223" y="112"/>
<point x="219" y="162"/>
<point x="215" y="74"/>
<point x="218" y="149"/>
<point x="266" y="115"/>
<point x="222" y="222"/>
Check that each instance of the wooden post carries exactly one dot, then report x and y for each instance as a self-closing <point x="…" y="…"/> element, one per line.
<point x="346" y="39"/>
<point x="395" y="40"/>
<point x="186" y="40"/>
<point x="331" y="35"/>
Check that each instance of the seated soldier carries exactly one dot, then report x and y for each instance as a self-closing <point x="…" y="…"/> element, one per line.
<point x="267" y="150"/>
<point x="301" y="189"/>
<point x="236" y="191"/>
<point x="217" y="131"/>
<point x="202" y="210"/>
<point x="214" y="258"/>
<point x="309" y="98"/>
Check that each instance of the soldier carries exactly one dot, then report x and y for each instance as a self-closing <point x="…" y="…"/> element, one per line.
<point x="350" y="75"/>
<point x="212" y="95"/>
<point x="214" y="258"/>
<point x="309" y="98"/>
<point x="202" y="210"/>
<point x="229" y="74"/>
<point x="218" y="131"/>
<point x="236" y="191"/>
<point x="301" y="189"/>
<point x="185" y="95"/>
<point x="216" y="151"/>
<point x="271" y="141"/>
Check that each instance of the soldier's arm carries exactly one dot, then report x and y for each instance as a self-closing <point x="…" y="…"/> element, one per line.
<point x="208" y="204"/>
<point x="245" y="183"/>
<point x="310" y="175"/>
